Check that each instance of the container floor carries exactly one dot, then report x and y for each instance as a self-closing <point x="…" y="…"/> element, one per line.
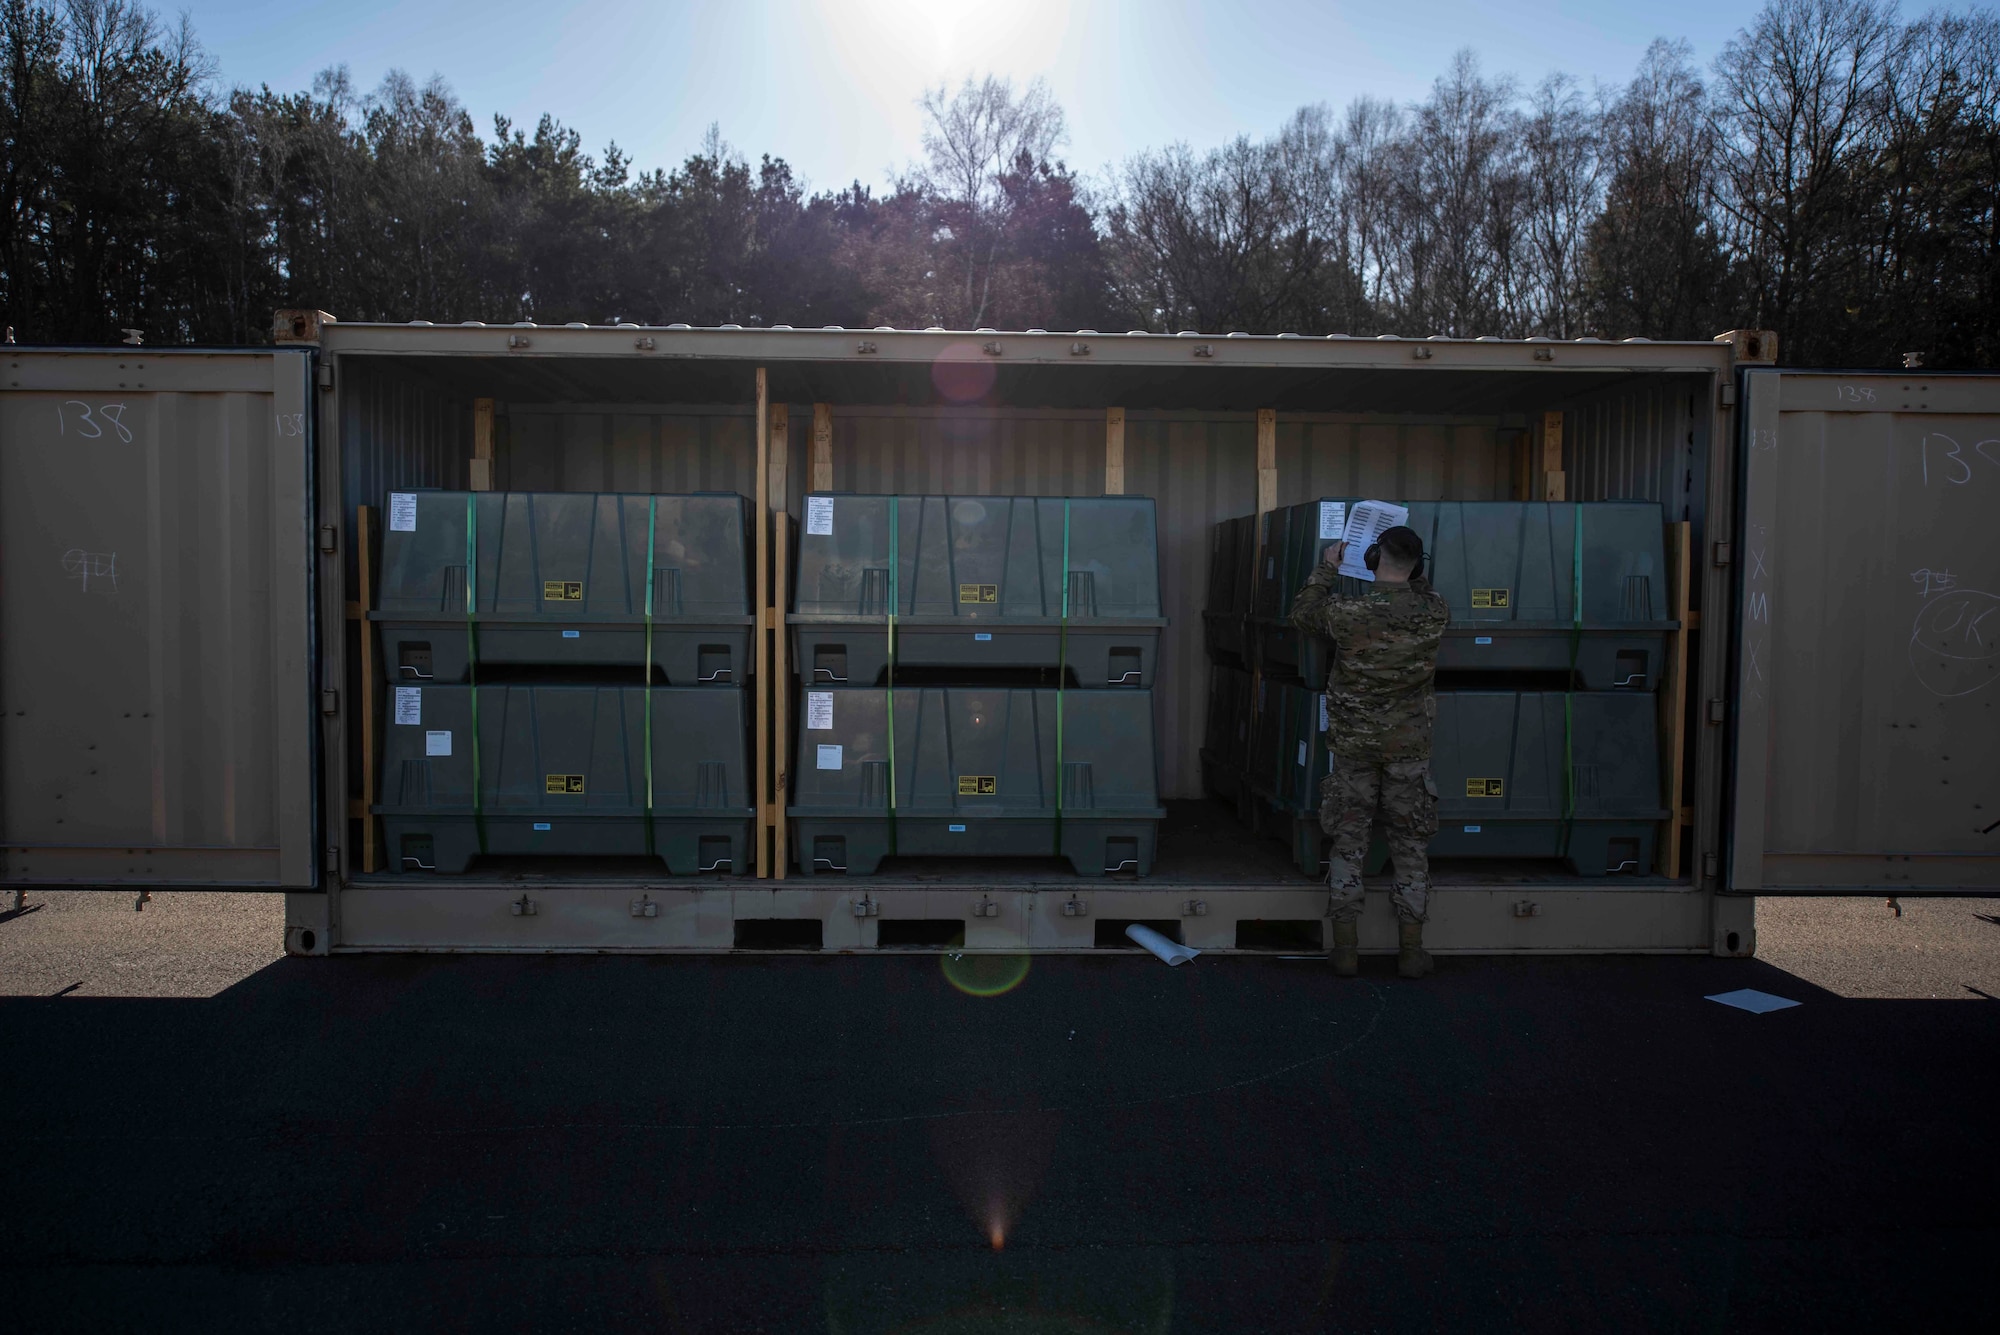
<point x="1201" y="843"/>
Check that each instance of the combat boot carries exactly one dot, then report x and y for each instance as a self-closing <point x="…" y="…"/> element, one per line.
<point x="1412" y="960"/>
<point x="1345" y="952"/>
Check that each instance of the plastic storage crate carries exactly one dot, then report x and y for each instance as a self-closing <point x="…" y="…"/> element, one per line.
<point x="562" y="771"/>
<point x="559" y="582"/>
<point x="1509" y="571"/>
<point x="975" y="773"/>
<point x="979" y="584"/>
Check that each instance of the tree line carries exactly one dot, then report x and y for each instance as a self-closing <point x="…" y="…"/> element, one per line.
<point x="1835" y="175"/>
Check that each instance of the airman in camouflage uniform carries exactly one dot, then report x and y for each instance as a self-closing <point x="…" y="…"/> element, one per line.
<point x="1380" y="708"/>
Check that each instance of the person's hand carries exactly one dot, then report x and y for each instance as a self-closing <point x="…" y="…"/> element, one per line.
<point x="1336" y="553"/>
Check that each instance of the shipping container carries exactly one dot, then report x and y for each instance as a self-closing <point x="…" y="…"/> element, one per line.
<point x="1827" y="713"/>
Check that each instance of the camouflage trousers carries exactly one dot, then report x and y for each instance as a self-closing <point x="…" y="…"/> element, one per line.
<point x="1402" y="794"/>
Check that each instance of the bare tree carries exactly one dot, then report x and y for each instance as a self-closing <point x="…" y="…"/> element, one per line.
<point x="973" y="137"/>
<point x="1563" y="176"/>
<point x="1801" y="111"/>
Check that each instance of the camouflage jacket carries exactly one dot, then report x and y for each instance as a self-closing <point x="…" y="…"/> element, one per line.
<point x="1380" y="702"/>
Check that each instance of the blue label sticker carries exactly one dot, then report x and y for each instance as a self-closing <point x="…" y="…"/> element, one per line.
<point x="983" y="635"/>
<point x="541" y="825"/>
<point x="572" y="635"/>
<point x="1482" y="639"/>
<point x="956" y="829"/>
<point x="1472" y="829"/>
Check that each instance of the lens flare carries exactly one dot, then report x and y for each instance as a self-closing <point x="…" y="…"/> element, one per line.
<point x="963" y="373"/>
<point x="984" y="975"/>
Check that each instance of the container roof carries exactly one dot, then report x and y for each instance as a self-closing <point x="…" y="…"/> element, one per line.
<point x="1023" y="368"/>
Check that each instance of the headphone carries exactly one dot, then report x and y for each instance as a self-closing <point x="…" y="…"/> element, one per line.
<point x="1373" y="558"/>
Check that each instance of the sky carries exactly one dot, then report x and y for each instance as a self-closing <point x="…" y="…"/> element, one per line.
<point x="831" y="85"/>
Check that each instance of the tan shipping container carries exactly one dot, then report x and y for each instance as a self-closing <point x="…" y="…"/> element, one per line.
<point x="1210" y="427"/>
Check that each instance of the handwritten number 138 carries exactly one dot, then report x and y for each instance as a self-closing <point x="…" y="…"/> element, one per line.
<point x="89" y="423"/>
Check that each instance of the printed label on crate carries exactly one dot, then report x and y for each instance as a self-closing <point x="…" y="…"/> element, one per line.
<point x="409" y="704"/>
<point x="1482" y="639"/>
<point x="1322" y="712"/>
<point x="562" y="591"/>
<point x="982" y="635"/>
<point x="541" y="825"/>
<point x="819" y="516"/>
<point x="829" y="756"/>
<point x="954" y="829"/>
<point x="979" y="593"/>
<point x="572" y="635"/>
<point x="1485" y="788"/>
<point x="1472" y="829"/>
<point x="819" y="710"/>
<point x="1302" y="753"/>
<point x="1332" y="519"/>
<point x="402" y="512"/>
<point x="562" y="783"/>
<point x="1490" y="597"/>
<point x="978" y="785"/>
<point x="437" y="743"/>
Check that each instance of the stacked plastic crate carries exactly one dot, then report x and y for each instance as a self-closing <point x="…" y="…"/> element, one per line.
<point x="976" y="674"/>
<point x="568" y="675"/>
<point x="1547" y="740"/>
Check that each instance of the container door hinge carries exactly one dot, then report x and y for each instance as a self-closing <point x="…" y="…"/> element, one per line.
<point x="523" y="907"/>
<point x="642" y="907"/>
<point x="1722" y="553"/>
<point x="1195" y="908"/>
<point x="326" y="375"/>
<point x="986" y="908"/>
<point x="333" y="860"/>
<point x="329" y="702"/>
<point x="329" y="538"/>
<point x="1726" y="394"/>
<point x="1717" y="711"/>
<point x="1527" y="908"/>
<point x="1076" y="908"/>
<point x="1709" y="866"/>
<point x="867" y="907"/>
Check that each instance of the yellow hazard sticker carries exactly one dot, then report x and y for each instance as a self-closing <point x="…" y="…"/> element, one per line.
<point x="1491" y="597"/>
<point x="978" y="785"/>
<point x="563" y="783"/>
<point x="979" y="593"/>
<point x="1485" y="788"/>
<point x="562" y="590"/>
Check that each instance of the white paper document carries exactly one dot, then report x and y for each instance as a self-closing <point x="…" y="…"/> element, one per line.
<point x="829" y="756"/>
<point x="402" y="512"/>
<point x="409" y="704"/>
<point x="437" y="743"/>
<point x="1332" y="520"/>
<point x="819" y="516"/>
<point x="1750" y="999"/>
<point x="1366" y="522"/>
<point x="819" y="710"/>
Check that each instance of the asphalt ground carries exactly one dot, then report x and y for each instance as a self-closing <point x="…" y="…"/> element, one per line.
<point x="199" y="1133"/>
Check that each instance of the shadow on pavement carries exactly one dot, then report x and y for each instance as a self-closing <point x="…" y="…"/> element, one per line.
<point x="858" y="1146"/>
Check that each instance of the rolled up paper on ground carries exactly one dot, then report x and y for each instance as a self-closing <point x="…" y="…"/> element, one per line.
<point x="1170" y="951"/>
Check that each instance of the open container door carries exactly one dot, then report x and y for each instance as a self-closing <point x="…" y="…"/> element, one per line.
<point x="156" y="705"/>
<point x="1867" y="737"/>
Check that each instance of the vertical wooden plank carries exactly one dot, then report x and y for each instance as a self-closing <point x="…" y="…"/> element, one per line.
<point x="371" y="690"/>
<point x="822" y="447"/>
<point x="479" y="473"/>
<point x="1673" y="695"/>
<point x="777" y="499"/>
<point x="1114" y="451"/>
<point x="1555" y="484"/>
<point x="1267" y="459"/>
<point x="761" y="604"/>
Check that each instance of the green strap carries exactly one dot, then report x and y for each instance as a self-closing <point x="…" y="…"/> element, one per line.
<point x="1062" y="675"/>
<point x="895" y="505"/>
<point x="472" y="653"/>
<point x="1569" y="686"/>
<point x="652" y="524"/>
